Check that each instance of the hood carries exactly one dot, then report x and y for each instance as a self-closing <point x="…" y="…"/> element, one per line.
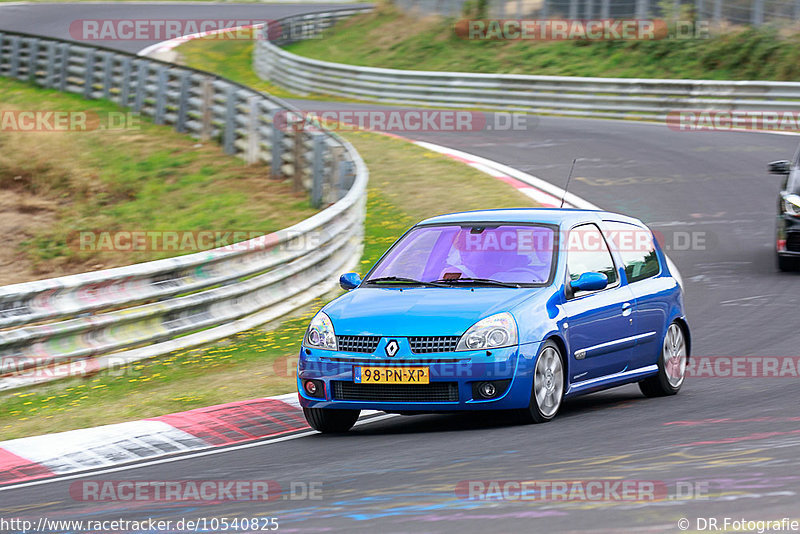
<point x="419" y="311"/>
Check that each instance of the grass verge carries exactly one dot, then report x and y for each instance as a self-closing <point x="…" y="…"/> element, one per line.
<point x="407" y="183"/>
<point x="123" y="176"/>
<point x="389" y="39"/>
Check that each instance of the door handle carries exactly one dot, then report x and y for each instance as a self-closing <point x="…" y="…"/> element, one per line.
<point x="626" y="309"/>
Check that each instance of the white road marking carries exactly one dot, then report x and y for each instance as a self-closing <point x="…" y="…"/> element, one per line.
<point x="185" y="457"/>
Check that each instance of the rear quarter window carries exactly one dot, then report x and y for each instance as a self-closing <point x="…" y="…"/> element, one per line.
<point x="636" y="247"/>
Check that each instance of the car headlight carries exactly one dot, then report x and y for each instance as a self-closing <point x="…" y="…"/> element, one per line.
<point x="320" y="333"/>
<point x="495" y="331"/>
<point x="791" y="205"/>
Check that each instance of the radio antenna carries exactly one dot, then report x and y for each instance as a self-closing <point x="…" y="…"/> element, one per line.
<point x="569" y="177"/>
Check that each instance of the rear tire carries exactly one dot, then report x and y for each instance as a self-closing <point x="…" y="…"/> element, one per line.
<point x="547" y="392"/>
<point x="671" y="365"/>
<point x="787" y="263"/>
<point x="331" y="421"/>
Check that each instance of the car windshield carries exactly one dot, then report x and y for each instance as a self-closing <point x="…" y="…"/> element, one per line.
<point x="477" y="254"/>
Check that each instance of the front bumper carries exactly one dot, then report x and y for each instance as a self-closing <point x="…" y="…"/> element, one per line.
<point x="788" y="236"/>
<point x="452" y="376"/>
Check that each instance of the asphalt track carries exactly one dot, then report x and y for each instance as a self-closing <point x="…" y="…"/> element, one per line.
<point x="739" y="436"/>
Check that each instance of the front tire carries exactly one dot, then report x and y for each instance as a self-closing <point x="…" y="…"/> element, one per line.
<point x="548" y="386"/>
<point x="671" y="365"/>
<point x="331" y="421"/>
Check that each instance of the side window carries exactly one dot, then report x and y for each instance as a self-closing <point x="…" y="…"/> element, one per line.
<point x="791" y="182"/>
<point x="636" y="248"/>
<point x="587" y="252"/>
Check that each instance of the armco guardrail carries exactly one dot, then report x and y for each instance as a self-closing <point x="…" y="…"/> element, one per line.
<point x="649" y="99"/>
<point x="78" y="324"/>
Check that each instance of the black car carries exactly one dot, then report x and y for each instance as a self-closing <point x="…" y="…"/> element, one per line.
<point x="787" y="240"/>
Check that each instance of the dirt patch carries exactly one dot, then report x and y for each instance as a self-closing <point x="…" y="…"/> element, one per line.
<point x="56" y="184"/>
<point x="22" y="215"/>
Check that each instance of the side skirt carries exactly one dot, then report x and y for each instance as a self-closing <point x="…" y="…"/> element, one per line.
<point x="609" y="381"/>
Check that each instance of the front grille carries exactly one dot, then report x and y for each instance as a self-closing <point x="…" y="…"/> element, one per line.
<point x="433" y="392"/>
<point x="428" y="344"/>
<point x="405" y="361"/>
<point x="793" y="242"/>
<point x="363" y="344"/>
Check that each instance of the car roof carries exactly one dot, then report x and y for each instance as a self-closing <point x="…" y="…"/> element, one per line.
<point x="557" y="216"/>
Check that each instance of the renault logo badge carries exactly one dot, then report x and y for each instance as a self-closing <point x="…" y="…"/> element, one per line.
<point x="392" y="347"/>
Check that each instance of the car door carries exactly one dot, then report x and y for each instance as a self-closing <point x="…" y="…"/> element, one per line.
<point x="601" y="331"/>
<point x="636" y="249"/>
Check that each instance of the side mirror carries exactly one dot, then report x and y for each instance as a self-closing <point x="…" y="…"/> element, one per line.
<point x="779" y="167"/>
<point x="349" y="281"/>
<point x="590" y="282"/>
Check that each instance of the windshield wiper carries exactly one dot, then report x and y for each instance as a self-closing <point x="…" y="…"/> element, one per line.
<point x="486" y="281"/>
<point x="403" y="280"/>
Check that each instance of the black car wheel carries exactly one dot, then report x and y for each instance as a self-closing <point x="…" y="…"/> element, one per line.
<point x="331" y="421"/>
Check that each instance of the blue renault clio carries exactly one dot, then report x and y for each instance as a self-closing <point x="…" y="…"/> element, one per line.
<point x="513" y="309"/>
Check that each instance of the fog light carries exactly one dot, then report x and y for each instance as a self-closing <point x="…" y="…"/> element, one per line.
<point x="314" y="388"/>
<point x="487" y="390"/>
<point x="490" y="389"/>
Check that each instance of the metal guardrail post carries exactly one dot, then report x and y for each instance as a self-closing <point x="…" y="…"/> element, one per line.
<point x="605" y="9"/>
<point x="297" y="157"/>
<point x="50" y="69"/>
<point x="14" y="67"/>
<point x="757" y="13"/>
<point x="161" y="96"/>
<point x="62" y="81"/>
<point x="107" y="80"/>
<point x="641" y="9"/>
<point x="717" y="11"/>
<point x="183" y="99"/>
<point x="141" y="83"/>
<point x="229" y="135"/>
<point x="573" y="9"/>
<point x="206" y="101"/>
<point x="345" y="175"/>
<point x="124" y="93"/>
<point x="276" y="161"/>
<point x="317" y="169"/>
<point x="336" y="158"/>
<point x="88" y="74"/>
<point x="33" y="58"/>
<point x="253" y="139"/>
